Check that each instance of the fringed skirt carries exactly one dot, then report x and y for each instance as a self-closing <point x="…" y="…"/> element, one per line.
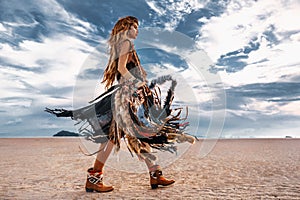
<point x="136" y="115"/>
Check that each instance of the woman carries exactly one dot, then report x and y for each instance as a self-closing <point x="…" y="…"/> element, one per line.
<point x="129" y="110"/>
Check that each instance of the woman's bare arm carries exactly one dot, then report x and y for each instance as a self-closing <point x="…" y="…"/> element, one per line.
<point x="123" y="58"/>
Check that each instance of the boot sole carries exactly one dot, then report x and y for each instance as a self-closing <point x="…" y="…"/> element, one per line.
<point x="92" y="190"/>
<point x="155" y="186"/>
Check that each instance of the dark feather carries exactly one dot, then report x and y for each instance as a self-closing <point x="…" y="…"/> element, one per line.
<point x="60" y="112"/>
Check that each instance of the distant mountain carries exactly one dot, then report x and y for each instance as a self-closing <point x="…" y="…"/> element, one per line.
<point x="66" y="134"/>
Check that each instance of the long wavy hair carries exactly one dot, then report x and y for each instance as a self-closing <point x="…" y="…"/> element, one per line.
<point x="118" y="34"/>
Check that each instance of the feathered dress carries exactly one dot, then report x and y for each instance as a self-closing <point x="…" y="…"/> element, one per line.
<point x="135" y="114"/>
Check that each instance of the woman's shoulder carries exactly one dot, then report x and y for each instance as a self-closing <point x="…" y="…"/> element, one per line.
<point x="126" y="44"/>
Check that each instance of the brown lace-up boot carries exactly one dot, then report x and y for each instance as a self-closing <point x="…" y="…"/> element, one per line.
<point x="156" y="178"/>
<point x="94" y="182"/>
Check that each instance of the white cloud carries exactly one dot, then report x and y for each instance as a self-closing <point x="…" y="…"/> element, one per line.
<point x="295" y="37"/>
<point x="2" y="28"/>
<point x="54" y="10"/>
<point x="262" y="106"/>
<point x="174" y="11"/>
<point x="14" y="122"/>
<point x="21" y="24"/>
<point x="31" y="73"/>
<point x="157" y="9"/>
<point x="276" y="60"/>
<point x="291" y="108"/>
<point x="234" y="29"/>
<point x="24" y="89"/>
<point x="62" y="57"/>
<point x="243" y="21"/>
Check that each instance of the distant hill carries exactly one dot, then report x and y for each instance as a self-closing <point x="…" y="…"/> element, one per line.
<point x="66" y="134"/>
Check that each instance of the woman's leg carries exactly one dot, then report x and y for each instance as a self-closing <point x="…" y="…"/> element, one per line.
<point x="105" y="150"/>
<point x="95" y="174"/>
<point x="149" y="163"/>
<point x="156" y="176"/>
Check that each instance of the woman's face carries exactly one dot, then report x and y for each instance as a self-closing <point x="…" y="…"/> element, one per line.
<point x="133" y="31"/>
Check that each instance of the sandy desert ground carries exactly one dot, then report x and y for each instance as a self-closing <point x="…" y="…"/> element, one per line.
<point x="55" y="168"/>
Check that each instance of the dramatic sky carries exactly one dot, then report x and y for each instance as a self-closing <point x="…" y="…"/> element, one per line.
<point x="48" y="47"/>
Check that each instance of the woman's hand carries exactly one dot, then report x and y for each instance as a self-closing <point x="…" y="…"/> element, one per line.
<point x="123" y="58"/>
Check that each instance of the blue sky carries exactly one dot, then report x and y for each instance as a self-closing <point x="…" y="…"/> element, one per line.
<point x="254" y="47"/>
